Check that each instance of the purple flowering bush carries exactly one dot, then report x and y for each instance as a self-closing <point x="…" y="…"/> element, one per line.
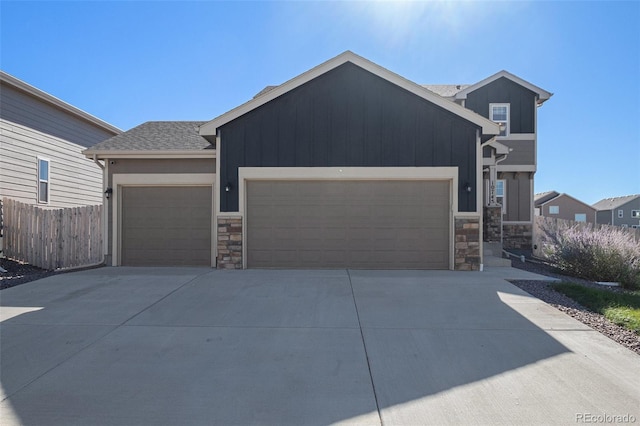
<point x="604" y="254"/>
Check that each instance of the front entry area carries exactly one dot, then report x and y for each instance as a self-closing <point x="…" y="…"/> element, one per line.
<point x="362" y="224"/>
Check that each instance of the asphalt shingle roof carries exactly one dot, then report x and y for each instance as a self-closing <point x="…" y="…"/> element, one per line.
<point x="615" y="202"/>
<point x="445" y="90"/>
<point x="157" y="136"/>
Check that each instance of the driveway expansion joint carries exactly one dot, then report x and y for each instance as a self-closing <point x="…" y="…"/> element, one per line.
<point x="364" y="346"/>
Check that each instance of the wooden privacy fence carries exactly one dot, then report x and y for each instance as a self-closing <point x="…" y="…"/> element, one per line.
<point x="52" y="239"/>
<point x="557" y="225"/>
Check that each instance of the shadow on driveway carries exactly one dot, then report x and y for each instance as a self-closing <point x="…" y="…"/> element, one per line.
<point x="139" y="346"/>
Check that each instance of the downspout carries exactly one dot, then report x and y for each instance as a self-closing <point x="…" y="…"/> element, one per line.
<point x="95" y="160"/>
<point x="105" y="230"/>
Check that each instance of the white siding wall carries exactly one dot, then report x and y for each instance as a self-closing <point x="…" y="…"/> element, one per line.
<point x="74" y="180"/>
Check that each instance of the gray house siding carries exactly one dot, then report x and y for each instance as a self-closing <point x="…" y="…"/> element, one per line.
<point x="21" y="108"/>
<point x="74" y="179"/>
<point x="33" y="126"/>
<point x="523" y="152"/>
<point x="503" y="90"/>
<point x="348" y="117"/>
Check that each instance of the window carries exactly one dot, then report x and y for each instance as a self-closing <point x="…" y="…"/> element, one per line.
<point x="624" y="225"/>
<point x="501" y="196"/>
<point x="554" y="209"/>
<point x="581" y="217"/>
<point x="499" y="113"/>
<point x="635" y="226"/>
<point x="620" y="214"/>
<point x="43" y="180"/>
<point x="635" y="213"/>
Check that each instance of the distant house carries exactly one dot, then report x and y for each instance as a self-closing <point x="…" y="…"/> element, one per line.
<point x="41" y="140"/>
<point x="620" y="211"/>
<point x="563" y="206"/>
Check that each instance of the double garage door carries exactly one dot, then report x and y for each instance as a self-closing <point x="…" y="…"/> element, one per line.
<point x="166" y="225"/>
<point x="386" y="224"/>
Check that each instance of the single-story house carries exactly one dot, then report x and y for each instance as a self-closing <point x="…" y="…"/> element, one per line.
<point x="346" y="165"/>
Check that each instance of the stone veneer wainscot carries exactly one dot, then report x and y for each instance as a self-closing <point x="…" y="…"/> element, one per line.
<point x="517" y="236"/>
<point x="467" y="248"/>
<point x="230" y="243"/>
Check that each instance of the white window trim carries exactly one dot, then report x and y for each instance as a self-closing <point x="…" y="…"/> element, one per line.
<point x="506" y="123"/>
<point x="556" y="207"/>
<point x="620" y="214"/>
<point x="39" y="181"/>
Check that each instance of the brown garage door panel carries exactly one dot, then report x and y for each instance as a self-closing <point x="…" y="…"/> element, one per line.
<point x="164" y="226"/>
<point x="357" y="224"/>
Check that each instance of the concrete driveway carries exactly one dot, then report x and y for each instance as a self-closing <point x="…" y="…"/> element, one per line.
<point x="154" y="346"/>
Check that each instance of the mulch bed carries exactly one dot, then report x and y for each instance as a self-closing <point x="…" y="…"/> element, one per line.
<point x="20" y="273"/>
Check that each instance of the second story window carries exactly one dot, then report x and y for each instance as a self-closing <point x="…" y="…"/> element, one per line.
<point x="499" y="113"/>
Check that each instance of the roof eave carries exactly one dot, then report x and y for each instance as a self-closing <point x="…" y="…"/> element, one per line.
<point x="543" y="95"/>
<point x="488" y="126"/>
<point x="34" y="91"/>
<point x="148" y="154"/>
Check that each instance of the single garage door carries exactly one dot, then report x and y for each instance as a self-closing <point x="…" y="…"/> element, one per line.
<point x="166" y="226"/>
<point x="353" y="224"/>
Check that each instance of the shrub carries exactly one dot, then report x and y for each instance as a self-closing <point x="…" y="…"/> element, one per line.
<point x="604" y="254"/>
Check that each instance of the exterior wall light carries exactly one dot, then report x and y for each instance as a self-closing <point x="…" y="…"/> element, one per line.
<point x="229" y="187"/>
<point x="467" y="187"/>
<point x="108" y="192"/>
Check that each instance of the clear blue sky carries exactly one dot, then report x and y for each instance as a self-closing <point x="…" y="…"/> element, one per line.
<point x="131" y="62"/>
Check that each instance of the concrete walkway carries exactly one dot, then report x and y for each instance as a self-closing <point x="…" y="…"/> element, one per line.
<point x="153" y="346"/>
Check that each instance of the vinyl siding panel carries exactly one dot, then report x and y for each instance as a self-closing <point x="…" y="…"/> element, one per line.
<point x="348" y="117"/>
<point x="21" y="108"/>
<point x="74" y="179"/>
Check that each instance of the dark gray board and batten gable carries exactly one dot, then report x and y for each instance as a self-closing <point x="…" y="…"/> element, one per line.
<point x="503" y="90"/>
<point x="348" y="117"/>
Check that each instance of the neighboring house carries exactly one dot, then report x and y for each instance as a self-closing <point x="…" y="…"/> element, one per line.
<point x="563" y="206"/>
<point x="41" y="143"/>
<point x="346" y="165"/>
<point x="619" y="211"/>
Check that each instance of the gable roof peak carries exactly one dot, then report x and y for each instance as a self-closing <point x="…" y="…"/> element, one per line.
<point x="488" y="127"/>
<point x="542" y="94"/>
